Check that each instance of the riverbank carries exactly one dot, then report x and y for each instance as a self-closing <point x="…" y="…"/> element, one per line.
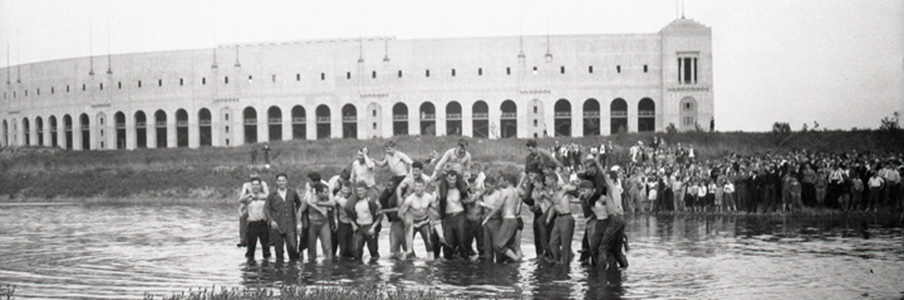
<point x="214" y="174"/>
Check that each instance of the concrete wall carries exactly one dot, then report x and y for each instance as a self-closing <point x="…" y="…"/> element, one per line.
<point x="361" y="72"/>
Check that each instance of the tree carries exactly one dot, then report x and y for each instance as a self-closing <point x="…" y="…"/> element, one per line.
<point x="781" y="127"/>
<point x="671" y="129"/>
<point x="804" y="128"/>
<point x="890" y="123"/>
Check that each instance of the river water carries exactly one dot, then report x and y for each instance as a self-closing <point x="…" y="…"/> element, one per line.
<point x="129" y="251"/>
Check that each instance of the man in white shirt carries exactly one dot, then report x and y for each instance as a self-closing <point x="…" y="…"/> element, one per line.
<point x="258" y="217"/>
<point x="399" y="164"/>
<point x="243" y="213"/>
<point x="457" y="159"/>
<point x="363" y="169"/>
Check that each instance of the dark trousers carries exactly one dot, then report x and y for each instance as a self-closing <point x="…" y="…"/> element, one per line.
<point x="475" y="233"/>
<point x="285" y="241"/>
<point x="257" y="230"/>
<point x="397" y="242"/>
<point x="808" y="193"/>
<point x="489" y="231"/>
<point x="891" y="194"/>
<point x="455" y="229"/>
<point x="612" y="241"/>
<point x="542" y="231"/>
<point x="361" y="238"/>
<point x="345" y="240"/>
<point x="595" y="232"/>
<point x="560" y="239"/>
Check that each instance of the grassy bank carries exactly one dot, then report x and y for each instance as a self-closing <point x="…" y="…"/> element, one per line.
<point x="216" y="173"/>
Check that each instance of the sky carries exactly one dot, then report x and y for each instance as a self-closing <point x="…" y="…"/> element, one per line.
<point x="837" y="62"/>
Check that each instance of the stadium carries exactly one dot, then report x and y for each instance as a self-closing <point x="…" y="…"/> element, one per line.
<point x="361" y="88"/>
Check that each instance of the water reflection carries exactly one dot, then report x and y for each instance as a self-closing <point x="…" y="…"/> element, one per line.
<point x="110" y="251"/>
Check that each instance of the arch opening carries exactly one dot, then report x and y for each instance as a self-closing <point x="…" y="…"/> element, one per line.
<point x="299" y="129"/>
<point x="646" y="115"/>
<point x="349" y="122"/>
<point x="323" y="122"/>
<point x="399" y="119"/>
<point x="428" y="118"/>
<point x="84" y="124"/>
<point x="205" y="130"/>
<point x="160" y="124"/>
<point x="249" y="117"/>
<point x="480" y="120"/>
<point x="453" y="119"/>
<point x="508" y="121"/>
<point x="687" y="114"/>
<point x="119" y="119"/>
<point x="618" y="115"/>
<point x="141" y="130"/>
<point x="274" y="123"/>
<point x="181" y="128"/>
<point x="562" y="110"/>
<point x="592" y="117"/>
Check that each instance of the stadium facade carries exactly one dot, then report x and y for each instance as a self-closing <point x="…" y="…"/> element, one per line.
<point x="488" y="87"/>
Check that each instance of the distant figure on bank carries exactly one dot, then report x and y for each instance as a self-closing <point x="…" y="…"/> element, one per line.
<point x="253" y="156"/>
<point x="266" y="151"/>
<point x="283" y="204"/>
<point x="243" y="203"/>
<point x="258" y="216"/>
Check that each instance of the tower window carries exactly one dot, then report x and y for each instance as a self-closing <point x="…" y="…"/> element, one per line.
<point x="428" y="72"/>
<point x="562" y="69"/>
<point x="273" y="77"/>
<point x="226" y="79"/>
<point x="590" y="69"/>
<point x="322" y="76"/>
<point x="38" y="91"/>
<point x="479" y="71"/>
<point x="687" y="68"/>
<point x="453" y="72"/>
<point x="508" y="71"/>
<point x="348" y="75"/>
<point x="51" y="90"/>
<point x="297" y="77"/>
<point x="67" y="88"/>
<point x="84" y="87"/>
<point x="373" y="74"/>
<point x="119" y="85"/>
<point x="645" y="69"/>
<point x="181" y="81"/>
<point x="159" y="82"/>
<point x="101" y="86"/>
<point x="400" y="73"/>
<point x="618" y="69"/>
<point x="203" y="80"/>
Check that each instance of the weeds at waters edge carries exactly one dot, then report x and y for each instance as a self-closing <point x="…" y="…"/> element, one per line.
<point x="324" y="293"/>
<point x="7" y="291"/>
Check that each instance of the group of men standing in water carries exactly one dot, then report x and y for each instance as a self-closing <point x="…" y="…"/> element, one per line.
<point x="453" y="209"/>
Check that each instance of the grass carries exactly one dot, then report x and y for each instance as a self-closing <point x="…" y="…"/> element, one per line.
<point x="300" y="293"/>
<point x="7" y="291"/>
<point x="216" y="173"/>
